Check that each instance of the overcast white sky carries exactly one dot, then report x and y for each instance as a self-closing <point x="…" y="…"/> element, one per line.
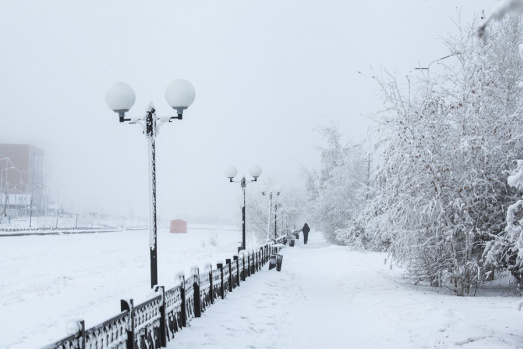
<point x="266" y="73"/>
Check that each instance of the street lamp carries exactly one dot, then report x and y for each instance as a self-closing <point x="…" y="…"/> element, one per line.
<point x="277" y="191"/>
<point x="31" y="201"/>
<point x="231" y="172"/>
<point x="6" y="187"/>
<point x="437" y="60"/>
<point x="120" y="98"/>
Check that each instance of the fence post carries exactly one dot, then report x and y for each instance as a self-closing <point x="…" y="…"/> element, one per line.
<point x="244" y="267"/>
<point x="251" y="253"/>
<point x="239" y="268"/>
<point x="248" y="263"/>
<point x="181" y="277"/>
<point x="81" y="332"/>
<point x="222" y="291"/>
<point x="253" y="262"/>
<point x="208" y="268"/>
<point x="228" y="261"/>
<point x="163" y="325"/>
<point x="197" y="297"/>
<point x="253" y="259"/>
<point x="237" y="261"/>
<point x="129" y="306"/>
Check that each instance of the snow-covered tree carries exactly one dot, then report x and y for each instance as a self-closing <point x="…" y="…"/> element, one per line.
<point x="440" y="196"/>
<point x="338" y="191"/>
<point x="293" y="209"/>
<point x="256" y="216"/>
<point x="506" y="250"/>
<point x="499" y="11"/>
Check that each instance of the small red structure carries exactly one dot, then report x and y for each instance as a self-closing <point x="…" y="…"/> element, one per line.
<point x="178" y="226"/>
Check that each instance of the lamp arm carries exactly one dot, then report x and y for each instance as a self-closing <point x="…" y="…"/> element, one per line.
<point x="178" y="117"/>
<point x="122" y="119"/>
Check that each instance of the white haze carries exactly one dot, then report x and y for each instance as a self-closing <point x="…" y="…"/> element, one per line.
<point x="266" y="74"/>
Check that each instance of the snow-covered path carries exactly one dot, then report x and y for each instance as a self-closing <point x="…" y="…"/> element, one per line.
<point x="330" y="297"/>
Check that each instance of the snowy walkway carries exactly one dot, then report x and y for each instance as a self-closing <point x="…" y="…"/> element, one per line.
<point x="329" y="297"/>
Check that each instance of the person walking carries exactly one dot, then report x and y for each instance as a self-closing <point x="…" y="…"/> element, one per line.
<point x="305" y="230"/>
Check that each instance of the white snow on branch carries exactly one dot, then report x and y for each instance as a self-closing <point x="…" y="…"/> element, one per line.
<point x="499" y="11"/>
<point x="505" y="6"/>
<point x="516" y="178"/>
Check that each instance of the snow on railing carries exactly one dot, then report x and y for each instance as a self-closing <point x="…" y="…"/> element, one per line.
<point x="156" y="321"/>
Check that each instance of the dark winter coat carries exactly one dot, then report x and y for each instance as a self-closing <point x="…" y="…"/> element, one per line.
<point x="306" y="229"/>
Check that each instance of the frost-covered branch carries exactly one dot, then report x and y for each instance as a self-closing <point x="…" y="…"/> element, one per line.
<point x="499" y="11"/>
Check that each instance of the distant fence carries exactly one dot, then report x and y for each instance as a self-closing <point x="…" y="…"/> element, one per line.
<point x="155" y="322"/>
<point x="13" y="232"/>
<point x="54" y="228"/>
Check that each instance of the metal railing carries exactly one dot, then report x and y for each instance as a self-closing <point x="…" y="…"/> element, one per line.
<point x="155" y="322"/>
<point x="13" y="232"/>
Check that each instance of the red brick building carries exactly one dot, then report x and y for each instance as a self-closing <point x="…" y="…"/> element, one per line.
<point x="22" y="181"/>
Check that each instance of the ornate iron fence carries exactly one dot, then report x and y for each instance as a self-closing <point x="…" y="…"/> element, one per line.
<point x="156" y="321"/>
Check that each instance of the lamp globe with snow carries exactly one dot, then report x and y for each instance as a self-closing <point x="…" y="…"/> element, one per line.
<point x="120" y="97"/>
<point x="231" y="172"/>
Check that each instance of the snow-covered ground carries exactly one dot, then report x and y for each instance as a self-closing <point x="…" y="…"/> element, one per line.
<point x="330" y="297"/>
<point x="45" y="281"/>
<point x="325" y="296"/>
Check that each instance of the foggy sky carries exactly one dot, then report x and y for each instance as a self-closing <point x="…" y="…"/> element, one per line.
<point x="266" y="74"/>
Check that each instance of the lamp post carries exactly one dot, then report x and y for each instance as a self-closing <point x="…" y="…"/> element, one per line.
<point x="4" y="183"/>
<point x="231" y="172"/>
<point x="31" y="202"/>
<point x="275" y="220"/>
<point x="277" y="191"/>
<point x="120" y="98"/>
<point x="427" y="68"/>
<point x="7" y="190"/>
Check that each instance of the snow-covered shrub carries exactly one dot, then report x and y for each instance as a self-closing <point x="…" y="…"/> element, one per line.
<point x="352" y="235"/>
<point x="213" y="240"/>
